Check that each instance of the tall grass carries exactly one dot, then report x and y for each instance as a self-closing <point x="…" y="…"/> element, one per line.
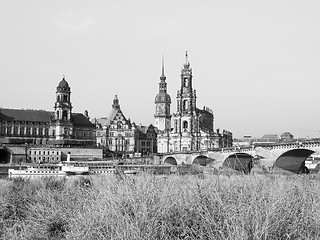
<point x="153" y="207"/>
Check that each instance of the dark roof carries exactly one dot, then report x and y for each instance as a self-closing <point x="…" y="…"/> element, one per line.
<point x="79" y="120"/>
<point x="25" y="115"/>
<point x="162" y="97"/>
<point x="144" y="129"/>
<point x="63" y="84"/>
<point x="203" y="111"/>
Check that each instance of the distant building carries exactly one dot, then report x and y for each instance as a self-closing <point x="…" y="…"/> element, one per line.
<point x="60" y="127"/>
<point x="117" y="134"/>
<point x="269" y="138"/>
<point x="286" y="136"/>
<point x="43" y="154"/>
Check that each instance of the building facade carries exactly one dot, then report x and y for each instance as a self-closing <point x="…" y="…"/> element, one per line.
<point x="122" y="138"/>
<point x="193" y="128"/>
<point x="60" y="127"/>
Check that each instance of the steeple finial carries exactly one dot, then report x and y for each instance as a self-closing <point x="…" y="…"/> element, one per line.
<point x="162" y="65"/>
<point x="163" y="77"/>
<point x="116" y="104"/>
<point x="186" y="64"/>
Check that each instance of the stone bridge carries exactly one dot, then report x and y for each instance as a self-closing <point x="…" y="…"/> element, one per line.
<point x="287" y="156"/>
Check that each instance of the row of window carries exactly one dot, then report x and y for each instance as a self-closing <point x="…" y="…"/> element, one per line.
<point x="43" y="152"/>
<point x="44" y="158"/>
<point x="9" y="130"/>
<point x="143" y="143"/>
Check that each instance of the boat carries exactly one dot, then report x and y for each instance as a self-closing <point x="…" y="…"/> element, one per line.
<point x="70" y="169"/>
<point x="102" y="169"/>
<point x="48" y="170"/>
<point x="44" y="170"/>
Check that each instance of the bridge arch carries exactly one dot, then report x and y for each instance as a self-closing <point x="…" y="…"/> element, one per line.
<point x="170" y="160"/>
<point x="293" y="160"/>
<point x="5" y="155"/>
<point x="242" y="162"/>
<point x="202" y="160"/>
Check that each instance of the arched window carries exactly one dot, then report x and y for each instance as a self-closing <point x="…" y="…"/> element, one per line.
<point x="58" y="98"/>
<point x="58" y="115"/>
<point x="185" y="125"/>
<point x="65" y="115"/>
<point x="119" y="125"/>
<point x="185" y="105"/>
<point x="186" y="82"/>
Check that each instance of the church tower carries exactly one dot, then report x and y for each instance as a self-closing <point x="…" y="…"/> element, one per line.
<point x="185" y="120"/>
<point x="162" y="101"/>
<point x="63" y="108"/>
<point x="186" y="101"/>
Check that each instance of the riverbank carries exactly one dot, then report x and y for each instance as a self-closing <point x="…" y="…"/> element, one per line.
<point x="157" y="207"/>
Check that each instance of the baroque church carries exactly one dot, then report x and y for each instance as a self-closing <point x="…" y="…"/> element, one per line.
<point x="193" y="128"/>
<point x="60" y="127"/>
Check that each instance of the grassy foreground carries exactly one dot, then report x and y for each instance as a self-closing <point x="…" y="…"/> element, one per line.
<point x="151" y="207"/>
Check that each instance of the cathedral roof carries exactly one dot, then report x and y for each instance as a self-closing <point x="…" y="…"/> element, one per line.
<point x="162" y="97"/>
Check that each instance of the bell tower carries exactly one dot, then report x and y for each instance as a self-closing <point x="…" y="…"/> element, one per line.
<point x="186" y="100"/>
<point x="63" y="108"/>
<point x="162" y="101"/>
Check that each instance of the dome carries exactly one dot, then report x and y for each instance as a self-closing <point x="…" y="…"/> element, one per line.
<point x="162" y="98"/>
<point x="63" y="84"/>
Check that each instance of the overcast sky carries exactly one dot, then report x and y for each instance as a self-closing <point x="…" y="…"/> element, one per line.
<point x="255" y="63"/>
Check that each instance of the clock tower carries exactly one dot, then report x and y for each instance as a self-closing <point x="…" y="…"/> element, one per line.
<point x="63" y="111"/>
<point x="162" y="115"/>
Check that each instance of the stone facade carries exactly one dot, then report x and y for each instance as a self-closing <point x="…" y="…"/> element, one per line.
<point x="193" y="128"/>
<point x="117" y="134"/>
<point x="61" y="127"/>
<point x="225" y="138"/>
<point x="56" y="155"/>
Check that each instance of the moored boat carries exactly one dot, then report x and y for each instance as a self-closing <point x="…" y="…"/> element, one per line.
<point x="52" y="170"/>
<point x="75" y="170"/>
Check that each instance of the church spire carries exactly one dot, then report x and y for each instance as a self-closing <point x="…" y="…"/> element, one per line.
<point x="163" y="84"/>
<point x="163" y="77"/>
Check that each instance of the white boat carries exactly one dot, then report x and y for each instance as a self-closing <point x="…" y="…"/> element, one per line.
<point x="74" y="170"/>
<point x="36" y="171"/>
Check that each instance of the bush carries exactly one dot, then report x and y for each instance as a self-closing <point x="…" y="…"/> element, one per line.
<point x="154" y="207"/>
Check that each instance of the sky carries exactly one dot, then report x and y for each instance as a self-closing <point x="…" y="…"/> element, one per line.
<point x="255" y="63"/>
